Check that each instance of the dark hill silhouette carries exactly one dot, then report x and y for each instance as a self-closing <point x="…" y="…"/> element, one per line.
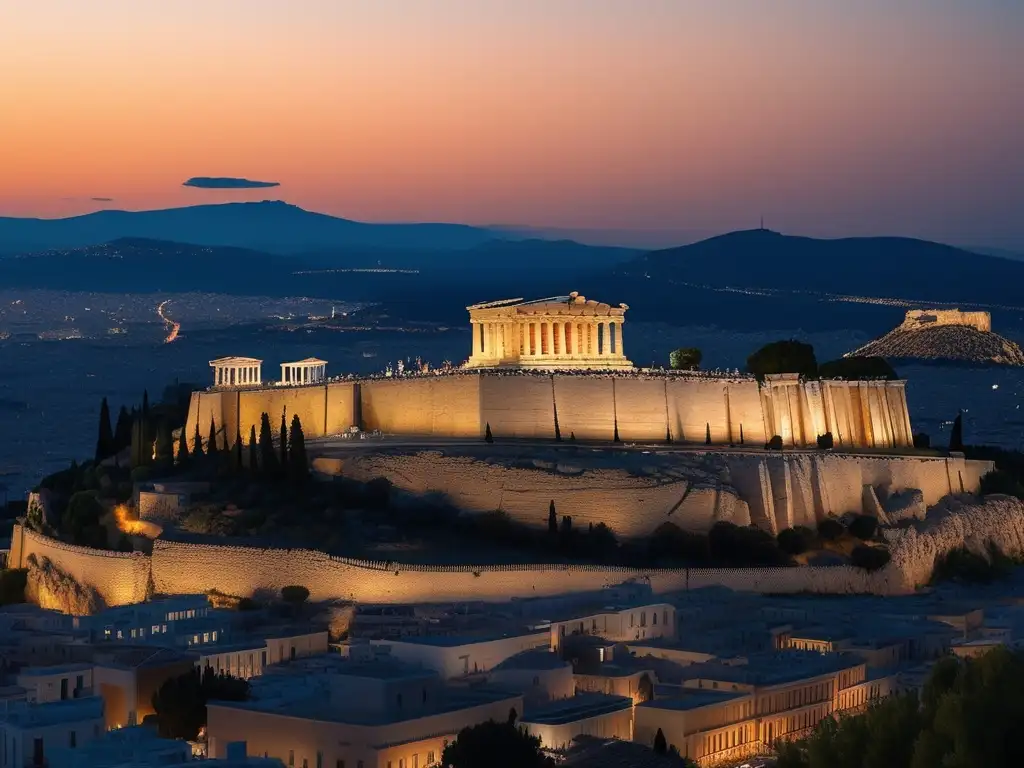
<point x="878" y="266"/>
<point x="268" y="226"/>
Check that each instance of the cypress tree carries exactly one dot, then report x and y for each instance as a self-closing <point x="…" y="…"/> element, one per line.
<point x="197" y="442"/>
<point x="253" y="450"/>
<point x="298" y="465"/>
<point x="707" y="434"/>
<point x="956" y="437"/>
<point x="164" y="445"/>
<point x="552" y="518"/>
<point x="741" y="433"/>
<point x="268" y="459"/>
<point x="123" y="430"/>
<point x="236" y="451"/>
<point x="615" y="434"/>
<point x="211" y="446"/>
<point x="488" y="437"/>
<point x="283" y="464"/>
<point x="660" y="744"/>
<point x="147" y="430"/>
<point x="105" y="445"/>
<point x="142" y="450"/>
<point x="182" y="448"/>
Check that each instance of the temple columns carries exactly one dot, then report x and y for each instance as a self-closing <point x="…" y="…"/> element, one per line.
<point x="549" y="340"/>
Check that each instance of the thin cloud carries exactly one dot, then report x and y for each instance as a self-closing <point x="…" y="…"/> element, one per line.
<point x="102" y="199"/>
<point x="208" y="182"/>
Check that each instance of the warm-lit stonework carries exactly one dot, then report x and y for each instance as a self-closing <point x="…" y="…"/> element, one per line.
<point x="561" y="332"/>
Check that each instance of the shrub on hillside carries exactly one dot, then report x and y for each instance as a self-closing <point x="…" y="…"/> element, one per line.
<point x="736" y="546"/>
<point x="1001" y="481"/>
<point x="965" y="567"/>
<point x="830" y="529"/>
<point x="826" y="442"/>
<point x="685" y="359"/>
<point x="922" y="441"/>
<point x="869" y="558"/>
<point x="775" y="444"/>
<point x="795" y="541"/>
<point x="670" y="544"/>
<point x="12" y="585"/>
<point x="863" y="526"/>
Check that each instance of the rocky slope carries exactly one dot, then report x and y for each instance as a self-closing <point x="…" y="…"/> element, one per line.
<point x="945" y="342"/>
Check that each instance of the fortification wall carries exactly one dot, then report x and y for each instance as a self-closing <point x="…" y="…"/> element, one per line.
<point x="438" y="405"/>
<point x="922" y="318"/>
<point x="644" y="408"/>
<point x="117" y="577"/>
<point x="184" y="568"/>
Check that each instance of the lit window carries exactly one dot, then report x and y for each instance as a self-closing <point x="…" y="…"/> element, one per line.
<point x="214" y="636"/>
<point x="206" y="637"/>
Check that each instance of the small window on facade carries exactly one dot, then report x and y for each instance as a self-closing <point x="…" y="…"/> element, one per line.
<point x="291" y="757"/>
<point x="654" y="619"/>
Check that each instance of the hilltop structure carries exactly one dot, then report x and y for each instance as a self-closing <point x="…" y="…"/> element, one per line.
<point x="945" y="334"/>
<point x="563" y="332"/>
<point x="552" y="368"/>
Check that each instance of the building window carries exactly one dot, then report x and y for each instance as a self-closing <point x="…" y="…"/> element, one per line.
<point x="63" y="688"/>
<point x="319" y="759"/>
<point x="291" y="757"/>
<point x="643" y="618"/>
<point x="305" y="763"/>
<point x="654" y="618"/>
<point x="430" y="758"/>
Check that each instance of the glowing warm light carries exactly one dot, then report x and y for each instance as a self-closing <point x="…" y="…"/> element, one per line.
<point x="125" y="524"/>
<point x="172" y="327"/>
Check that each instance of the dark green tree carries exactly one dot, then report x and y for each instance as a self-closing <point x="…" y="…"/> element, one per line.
<point x="707" y="434"/>
<point x="197" y="442"/>
<point x="81" y="520"/>
<point x="123" y="430"/>
<point x="685" y="359"/>
<point x="863" y="526"/>
<point x="268" y="459"/>
<point x="660" y="745"/>
<point x="182" y="448"/>
<point x="164" y="445"/>
<point x="294" y="596"/>
<point x="495" y="745"/>
<point x="142" y="447"/>
<point x="254" y="450"/>
<point x="180" y="702"/>
<point x="211" y="444"/>
<point x="869" y="558"/>
<point x="488" y="437"/>
<point x="298" y="462"/>
<point x="795" y="541"/>
<point x="105" y="445"/>
<point x="784" y="357"/>
<point x="283" y="447"/>
<point x="552" y="518"/>
<point x="956" y="436"/>
<point x="236" y="451"/>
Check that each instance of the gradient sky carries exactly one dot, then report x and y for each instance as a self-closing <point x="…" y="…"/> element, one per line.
<point x="829" y="117"/>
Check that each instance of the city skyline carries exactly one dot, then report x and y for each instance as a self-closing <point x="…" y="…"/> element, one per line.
<point x="830" y="119"/>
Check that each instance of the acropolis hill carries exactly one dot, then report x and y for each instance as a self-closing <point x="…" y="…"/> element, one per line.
<point x="945" y="334"/>
<point x="556" y="368"/>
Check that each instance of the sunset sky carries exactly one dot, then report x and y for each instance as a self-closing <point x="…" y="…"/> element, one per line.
<point x="829" y="117"/>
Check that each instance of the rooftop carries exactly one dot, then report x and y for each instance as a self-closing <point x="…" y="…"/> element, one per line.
<point x="535" y="659"/>
<point x="454" y="641"/>
<point x="772" y="668"/>
<point x="694" y="700"/>
<point x="53" y="712"/>
<point x="579" y="707"/>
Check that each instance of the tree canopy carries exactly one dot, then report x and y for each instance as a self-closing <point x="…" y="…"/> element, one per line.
<point x="180" y="703"/>
<point x="784" y="357"/>
<point x="856" y="367"/>
<point x="967" y="717"/>
<point x="685" y="359"/>
<point x="495" y="745"/>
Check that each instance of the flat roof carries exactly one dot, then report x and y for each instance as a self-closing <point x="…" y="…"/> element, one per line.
<point x="534" y="659"/>
<point x="579" y="707"/>
<point x="773" y="667"/>
<point x="695" y="700"/>
<point x="454" y="641"/>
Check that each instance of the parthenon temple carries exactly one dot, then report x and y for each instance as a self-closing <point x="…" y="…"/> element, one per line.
<point x="561" y="332"/>
<point x="237" y="371"/>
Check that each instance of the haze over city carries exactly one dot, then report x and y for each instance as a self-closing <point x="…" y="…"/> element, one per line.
<point x="829" y="118"/>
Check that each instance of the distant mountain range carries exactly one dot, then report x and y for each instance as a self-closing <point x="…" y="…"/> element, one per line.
<point x="271" y="226"/>
<point x="743" y="280"/>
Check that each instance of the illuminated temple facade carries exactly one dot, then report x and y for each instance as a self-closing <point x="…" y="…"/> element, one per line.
<point x="562" y="332"/>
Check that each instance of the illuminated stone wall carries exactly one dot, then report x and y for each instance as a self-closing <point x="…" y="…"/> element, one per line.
<point x="693" y="490"/>
<point x="117" y="577"/>
<point x="645" y="408"/>
<point x="924" y="318"/>
<point x="180" y="568"/>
